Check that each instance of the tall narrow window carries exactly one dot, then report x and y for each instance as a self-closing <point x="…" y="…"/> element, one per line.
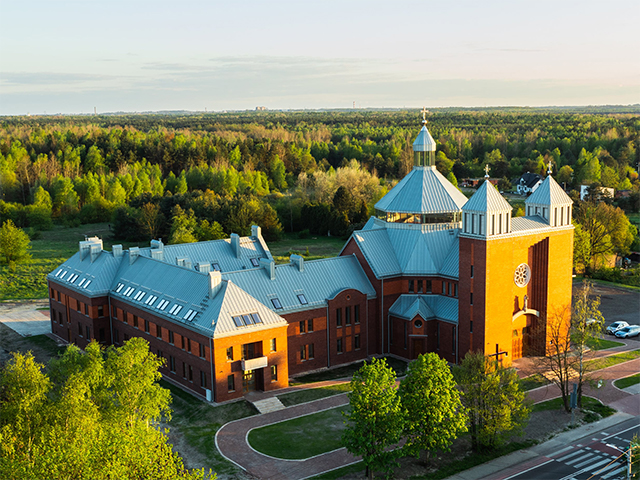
<point x="470" y="326"/>
<point x="480" y="224"/>
<point x="466" y="223"/>
<point x="303" y="326"/>
<point x="444" y="288"/>
<point x="88" y="330"/>
<point x="410" y="286"/>
<point x="438" y="336"/>
<point x="356" y="342"/>
<point x="356" y="314"/>
<point x="405" y="334"/>
<point x="499" y="223"/>
<point x="338" y="317"/>
<point x="562" y="216"/>
<point x="273" y="344"/>
<point x="347" y="315"/>
<point x="455" y="290"/>
<point x="310" y="325"/>
<point x="449" y="288"/>
<point x="202" y="351"/>
<point x="311" y="351"/>
<point x="274" y="373"/>
<point x="190" y="373"/>
<point x="230" y="353"/>
<point x="471" y="298"/>
<point x="473" y="223"/>
<point x="453" y="339"/>
<point x="135" y="321"/>
<point x="303" y="352"/>
<point x="159" y="332"/>
<point x="172" y="363"/>
<point x="339" y="345"/>
<point x="171" y="337"/>
<point x="231" y="384"/>
<point x="493" y="224"/>
<point x="100" y="311"/>
<point x="419" y="286"/>
<point x="146" y="326"/>
<point x="203" y="379"/>
<point x="428" y="290"/>
<point x="471" y="271"/>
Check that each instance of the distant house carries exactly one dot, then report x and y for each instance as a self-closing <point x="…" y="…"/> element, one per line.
<point x="528" y="183"/>
<point x="602" y="192"/>
<point x="476" y="182"/>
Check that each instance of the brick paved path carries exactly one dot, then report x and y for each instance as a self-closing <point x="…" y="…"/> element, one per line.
<point x="231" y="441"/>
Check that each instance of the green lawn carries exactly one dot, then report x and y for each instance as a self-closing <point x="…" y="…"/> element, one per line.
<point x="301" y="437"/>
<point x="310" y="394"/>
<point x="318" y="247"/>
<point x="600" y="363"/>
<point x="627" y="381"/>
<point x="603" y="344"/>
<point x="556" y="404"/>
<point x="534" y="381"/>
<point x="29" y="280"/>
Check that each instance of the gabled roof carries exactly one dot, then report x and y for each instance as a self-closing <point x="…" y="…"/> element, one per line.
<point x="487" y="199"/>
<point x="549" y="193"/>
<point x="411" y="250"/>
<point x="530" y="179"/>
<point x="428" y="307"/>
<point x="424" y="141"/>
<point x="215" y="251"/>
<point x="319" y="281"/>
<point x="423" y="190"/>
<point x="93" y="278"/>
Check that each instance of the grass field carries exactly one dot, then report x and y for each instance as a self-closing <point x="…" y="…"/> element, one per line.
<point x="610" y="361"/>
<point x="627" y="381"/>
<point x="301" y="437"/>
<point x="534" y="381"/>
<point x="399" y="366"/>
<point x="310" y="394"/>
<point x="312" y="248"/>
<point x="29" y="280"/>
<point x="603" y="344"/>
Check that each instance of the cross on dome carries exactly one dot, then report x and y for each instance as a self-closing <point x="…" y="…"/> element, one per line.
<point x="486" y="171"/>
<point x="549" y="169"/>
<point x="424" y="115"/>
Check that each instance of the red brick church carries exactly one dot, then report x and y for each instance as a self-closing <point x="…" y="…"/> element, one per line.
<point x="432" y="271"/>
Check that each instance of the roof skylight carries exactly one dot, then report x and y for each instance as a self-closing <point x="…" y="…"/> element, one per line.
<point x="276" y="303"/>
<point x="175" y="309"/>
<point x="129" y="291"/>
<point x="149" y="301"/>
<point x="247" y="320"/>
<point x="58" y="272"/>
<point x="255" y="262"/>
<point x="189" y="315"/>
<point x="163" y="304"/>
<point x="82" y="282"/>
<point x="86" y="285"/>
<point x="63" y="275"/>
<point x="119" y="287"/>
<point x="302" y="299"/>
<point x="138" y="296"/>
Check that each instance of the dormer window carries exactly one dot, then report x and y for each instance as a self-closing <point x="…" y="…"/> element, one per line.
<point x="255" y="262"/>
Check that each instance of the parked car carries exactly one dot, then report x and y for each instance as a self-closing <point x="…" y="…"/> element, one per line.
<point x="630" y="331"/>
<point x="591" y="321"/>
<point x="615" y="326"/>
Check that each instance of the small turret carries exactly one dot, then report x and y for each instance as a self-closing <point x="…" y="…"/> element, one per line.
<point x="487" y="213"/>
<point x="550" y="203"/>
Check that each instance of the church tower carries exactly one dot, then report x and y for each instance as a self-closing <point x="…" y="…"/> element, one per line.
<point x="514" y="273"/>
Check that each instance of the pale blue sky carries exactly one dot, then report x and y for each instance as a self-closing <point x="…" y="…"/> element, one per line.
<point x="149" y="55"/>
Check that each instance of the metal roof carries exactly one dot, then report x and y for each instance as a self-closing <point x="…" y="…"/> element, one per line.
<point x="487" y="199"/>
<point x="426" y="306"/>
<point x="188" y="289"/>
<point x="522" y="224"/>
<point x="93" y="278"/>
<point x="549" y="193"/>
<point x="409" y="251"/>
<point x="215" y="251"/>
<point x="319" y="281"/>
<point x="424" y="141"/>
<point x="423" y="190"/>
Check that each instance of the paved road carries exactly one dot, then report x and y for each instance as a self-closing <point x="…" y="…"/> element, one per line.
<point x="596" y="456"/>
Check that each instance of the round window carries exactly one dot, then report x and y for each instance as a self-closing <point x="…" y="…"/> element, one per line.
<point x="522" y="275"/>
<point x="418" y="323"/>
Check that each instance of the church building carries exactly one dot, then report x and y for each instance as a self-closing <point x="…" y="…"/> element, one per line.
<point x="432" y="271"/>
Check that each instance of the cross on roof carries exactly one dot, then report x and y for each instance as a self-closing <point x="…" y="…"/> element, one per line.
<point x="549" y="169"/>
<point x="486" y="171"/>
<point x="424" y="115"/>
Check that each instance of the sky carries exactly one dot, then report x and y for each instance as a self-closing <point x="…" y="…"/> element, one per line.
<point x="60" y="56"/>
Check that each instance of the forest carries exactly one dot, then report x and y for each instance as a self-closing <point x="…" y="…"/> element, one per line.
<point x="192" y="177"/>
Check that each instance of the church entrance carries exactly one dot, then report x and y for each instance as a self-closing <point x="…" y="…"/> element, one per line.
<point x="417" y="347"/>
<point x="520" y="343"/>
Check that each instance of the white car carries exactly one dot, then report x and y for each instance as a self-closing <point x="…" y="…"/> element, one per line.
<point x="630" y="331"/>
<point x="615" y="326"/>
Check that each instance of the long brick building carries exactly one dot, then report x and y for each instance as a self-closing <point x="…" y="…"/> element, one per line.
<point x="432" y="271"/>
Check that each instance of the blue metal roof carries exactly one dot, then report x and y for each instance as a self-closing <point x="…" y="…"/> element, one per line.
<point x="93" y="278"/>
<point x="424" y="141"/>
<point x="549" y="193"/>
<point x="428" y="307"/>
<point x="319" y="281"/>
<point x="487" y="199"/>
<point x="423" y="190"/>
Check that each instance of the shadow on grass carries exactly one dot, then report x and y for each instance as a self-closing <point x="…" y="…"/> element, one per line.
<point x="310" y="394"/>
<point x="399" y="366"/>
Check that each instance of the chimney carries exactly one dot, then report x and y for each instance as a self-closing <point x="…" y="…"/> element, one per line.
<point x="298" y="260"/>
<point x="157" y="254"/>
<point x="117" y="251"/>
<point x="204" y="267"/>
<point x="85" y="248"/>
<point x="157" y="244"/>
<point x="235" y="244"/>
<point x="87" y="245"/>
<point x="256" y="231"/>
<point x="188" y="264"/>
<point x="134" y="253"/>
<point x="215" y="280"/>
<point x="96" y="250"/>
<point x="270" y="267"/>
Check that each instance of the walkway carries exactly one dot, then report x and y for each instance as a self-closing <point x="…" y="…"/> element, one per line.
<point x="24" y="317"/>
<point x="231" y="441"/>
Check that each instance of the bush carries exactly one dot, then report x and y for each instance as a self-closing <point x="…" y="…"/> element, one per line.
<point x="617" y="275"/>
<point x="304" y="234"/>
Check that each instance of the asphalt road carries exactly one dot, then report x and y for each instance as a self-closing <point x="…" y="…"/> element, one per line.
<point x="594" y="457"/>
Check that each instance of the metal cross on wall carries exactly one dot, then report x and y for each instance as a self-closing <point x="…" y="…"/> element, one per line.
<point x="497" y="354"/>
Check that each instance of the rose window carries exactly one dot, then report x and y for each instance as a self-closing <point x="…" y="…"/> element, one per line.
<point x="522" y="275"/>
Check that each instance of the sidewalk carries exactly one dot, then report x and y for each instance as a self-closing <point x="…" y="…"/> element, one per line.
<point x="24" y="317"/>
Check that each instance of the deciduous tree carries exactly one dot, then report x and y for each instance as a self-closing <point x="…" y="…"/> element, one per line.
<point x="14" y="243"/>
<point x="434" y="414"/>
<point x="375" y="420"/>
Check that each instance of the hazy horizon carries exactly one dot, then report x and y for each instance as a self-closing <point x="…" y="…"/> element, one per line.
<point x="68" y="57"/>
